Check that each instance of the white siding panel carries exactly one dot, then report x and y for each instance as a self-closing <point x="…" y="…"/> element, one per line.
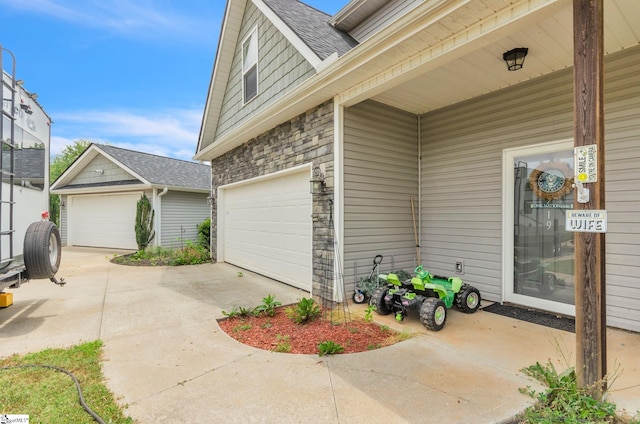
<point x="181" y="215"/>
<point x="64" y="226"/>
<point x="462" y="182"/>
<point x="380" y="177"/>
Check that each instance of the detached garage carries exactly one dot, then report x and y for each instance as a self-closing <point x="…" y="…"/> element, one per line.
<point x="265" y="225"/>
<point x="100" y="190"/>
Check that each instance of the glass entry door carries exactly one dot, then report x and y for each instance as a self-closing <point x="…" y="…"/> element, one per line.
<point x="539" y="253"/>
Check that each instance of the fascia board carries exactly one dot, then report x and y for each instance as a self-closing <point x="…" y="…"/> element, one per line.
<point x="124" y="188"/>
<point x="288" y="33"/>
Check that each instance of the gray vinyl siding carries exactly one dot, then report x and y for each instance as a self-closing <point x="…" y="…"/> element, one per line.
<point x="182" y="212"/>
<point x="462" y="182"/>
<point x="280" y="69"/>
<point x="110" y="172"/>
<point x="383" y="17"/>
<point x="380" y="177"/>
<point x="63" y="220"/>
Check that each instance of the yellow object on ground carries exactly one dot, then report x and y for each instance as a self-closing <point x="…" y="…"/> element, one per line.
<point x="6" y="299"/>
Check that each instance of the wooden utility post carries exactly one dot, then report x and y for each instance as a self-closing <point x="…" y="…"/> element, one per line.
<point x="591" y="357"/>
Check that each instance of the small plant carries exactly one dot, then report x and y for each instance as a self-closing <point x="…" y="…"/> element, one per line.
<point x="245" y="312"/>
<point x="268" y="306"/>
<point x="305" y="310"/>
<point x="238" y="312"/>
<point x="329" y="348"/>
<point x="564" y="401"/>
<point x="368" y="313"/>
<point x="242" y="327"/>
<point x="234" y="313"/>
<point x="190" y="254"/>
<point x="267" y="324"/>
<point x="283" y="345"/>
<point x="240" y="274"/>
<point x="373" y="346"/>
<point x="385" y="328"/>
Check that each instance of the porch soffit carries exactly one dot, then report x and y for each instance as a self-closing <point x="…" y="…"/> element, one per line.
<point x="450" y="40"/>
<point x="468" y="63"/>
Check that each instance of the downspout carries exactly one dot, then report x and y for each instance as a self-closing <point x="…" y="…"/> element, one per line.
<point x="159" y="216"/>
<point x="420" y="186"/>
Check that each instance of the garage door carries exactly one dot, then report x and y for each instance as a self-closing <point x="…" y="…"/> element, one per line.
<point x="266" y="227"/>
<point x="103" y="220"/>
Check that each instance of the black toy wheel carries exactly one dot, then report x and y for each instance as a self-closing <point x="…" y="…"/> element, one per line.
<point x="548" y="285"/>
<point x="42" y="250"/>
<point x="433" y="314"/>
<point x="468" y="299"/>
<point x="358" y="297"/>
<point x="377" y="300"/>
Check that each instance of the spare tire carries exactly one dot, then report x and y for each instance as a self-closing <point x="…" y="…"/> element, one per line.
<point x="42" y="250"/>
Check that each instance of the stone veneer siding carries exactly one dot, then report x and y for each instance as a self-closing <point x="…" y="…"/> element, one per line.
<point x="307" y="138"/>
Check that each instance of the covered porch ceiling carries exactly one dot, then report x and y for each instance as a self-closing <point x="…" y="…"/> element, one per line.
<point x="476" y="67"/>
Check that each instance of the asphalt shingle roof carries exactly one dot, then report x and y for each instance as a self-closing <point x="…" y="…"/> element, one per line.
<point x="312" y="26"/>
<point x="160" y="170"/>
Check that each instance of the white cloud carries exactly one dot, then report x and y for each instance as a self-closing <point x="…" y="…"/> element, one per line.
<point x="130" y="18"/>
<point x="167" y="133"/>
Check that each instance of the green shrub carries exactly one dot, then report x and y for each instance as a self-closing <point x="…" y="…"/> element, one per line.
<point x="268" y="306"/>
<point x="204" y="234"/>
<point x="190" y="254"/>
<point x="329" y="348"/>
<point x="305" y="310"/>
<point x="144" y="222"/>
<point x="564" y="401"/>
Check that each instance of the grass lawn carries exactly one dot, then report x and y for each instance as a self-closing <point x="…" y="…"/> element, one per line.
<point x="50" y="396"/>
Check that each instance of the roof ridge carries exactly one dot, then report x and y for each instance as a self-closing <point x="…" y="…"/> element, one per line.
<point x="137" y="152"/>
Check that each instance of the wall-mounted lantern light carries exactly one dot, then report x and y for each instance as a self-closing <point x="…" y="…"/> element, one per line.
<point x="515" y="58"/>
<point x="317" y="180"/>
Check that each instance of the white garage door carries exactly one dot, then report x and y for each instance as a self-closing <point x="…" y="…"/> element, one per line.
<point x="103" y="220"/>
<point x="266" y="227"/>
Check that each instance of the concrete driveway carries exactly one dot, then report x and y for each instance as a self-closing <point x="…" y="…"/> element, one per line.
<point x="167" y="359"/>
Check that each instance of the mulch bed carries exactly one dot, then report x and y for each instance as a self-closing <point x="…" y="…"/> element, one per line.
<point x="282" y="334"/>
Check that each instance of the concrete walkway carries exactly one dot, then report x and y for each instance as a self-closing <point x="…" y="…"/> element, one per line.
<point x="168" y="360"/>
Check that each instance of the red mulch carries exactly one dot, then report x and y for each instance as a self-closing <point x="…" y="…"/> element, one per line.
<point x="280" y="333"/>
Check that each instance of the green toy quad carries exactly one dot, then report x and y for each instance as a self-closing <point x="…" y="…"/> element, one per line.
<point x="432" y="295"/>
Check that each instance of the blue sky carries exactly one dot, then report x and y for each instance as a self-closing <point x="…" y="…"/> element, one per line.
<point x="130" y="73"/>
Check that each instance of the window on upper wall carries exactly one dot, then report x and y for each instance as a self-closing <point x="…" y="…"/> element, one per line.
<point x="250" y="66"/>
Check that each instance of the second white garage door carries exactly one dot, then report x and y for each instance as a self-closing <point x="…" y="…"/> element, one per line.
<point x="103" y="220"/>
<point x="266" y="227"/>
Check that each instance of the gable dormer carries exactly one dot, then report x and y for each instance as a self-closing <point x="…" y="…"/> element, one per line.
<point x="267" y="48"/>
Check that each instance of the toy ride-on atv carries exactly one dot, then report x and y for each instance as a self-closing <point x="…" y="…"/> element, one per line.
<point x="432" y="295"/>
